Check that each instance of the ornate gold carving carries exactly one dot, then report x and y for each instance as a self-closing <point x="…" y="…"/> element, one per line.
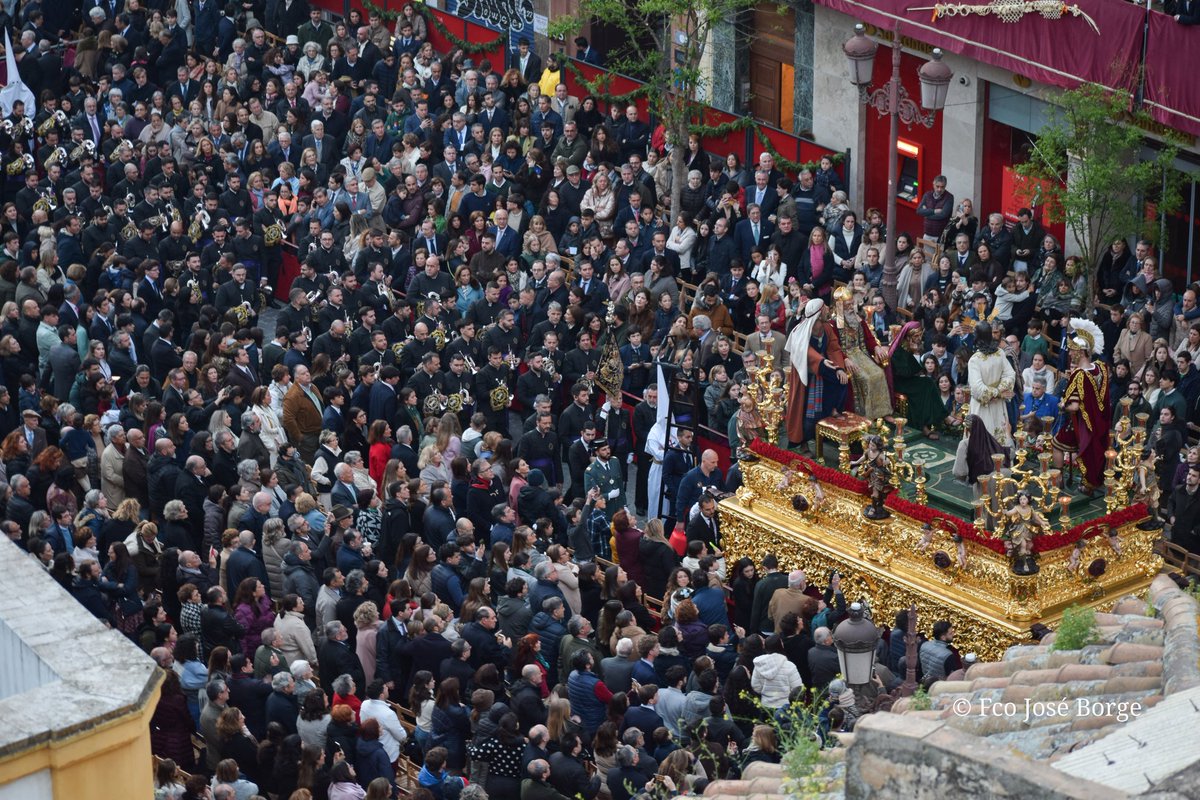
<point x="884" y="562"/>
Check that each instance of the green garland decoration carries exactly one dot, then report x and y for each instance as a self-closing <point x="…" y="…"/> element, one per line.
<point x="599" y="89"/>
<point x="470" y="48"/>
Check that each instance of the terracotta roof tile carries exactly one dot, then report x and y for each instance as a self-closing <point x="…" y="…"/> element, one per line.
<point x="1035" y="677"/>
<point x="1127" y="652"/>
<point x="1130" y="605"/>
<point x="1084" y="672"/>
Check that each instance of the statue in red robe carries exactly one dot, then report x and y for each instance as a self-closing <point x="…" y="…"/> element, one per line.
<point x="1084" y="404"/>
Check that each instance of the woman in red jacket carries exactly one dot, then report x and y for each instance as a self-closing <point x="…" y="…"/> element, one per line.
<point x="379" y="440"/>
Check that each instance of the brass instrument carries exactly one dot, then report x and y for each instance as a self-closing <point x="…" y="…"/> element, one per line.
<point x="500" y="397"/>
<point x="46" y="202"/>
<point x="242" y="312"/>
<point x="439" y="337"/>
<point x="130" y="202"/>
<point x="25" y="127"/>
<point x="436" y="403"/>
<point x="159" y="221"/>
<point x="264" y="296"/>
<point x="199" y="225"/>
<point x="125" y="143"/>
<point x="193" y="287"/>
<point x="273" y="235"/>
<point x="23" y="164"/>
<point x="459" y="400"/>
<point x="7" y="127"/>
<point x="86" y="148"/>
<point x="176" y="216"/>
<point x="470" y="363"/>
<point x="50" y="122"/>
<point x="513" y="360"/>
<point x="398" y="348"/>
<point x="59" y="156"/>
<point x="129" y="231"/>
<point x="550" y="370"/>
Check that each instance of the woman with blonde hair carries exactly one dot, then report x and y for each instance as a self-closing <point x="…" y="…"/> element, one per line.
<point x="366" y="619"/>
<point x="537" y="229"/>
<point x="558" y="719"/>
<point x="449" y="436"/>
<point x="602" y="200"/>
<point x="433" y="465"/>
<point x="568" y="575"/>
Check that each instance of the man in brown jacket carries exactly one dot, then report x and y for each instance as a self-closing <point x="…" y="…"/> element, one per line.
<point x="709" y="304"/>
<point x="794" y="598"/>
<point x="302" y="413"/>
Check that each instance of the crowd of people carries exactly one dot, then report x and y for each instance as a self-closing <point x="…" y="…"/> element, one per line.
<point x="410" y="489"/>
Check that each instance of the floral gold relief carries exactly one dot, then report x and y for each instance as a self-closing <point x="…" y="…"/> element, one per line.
<point x="894" y="562"/>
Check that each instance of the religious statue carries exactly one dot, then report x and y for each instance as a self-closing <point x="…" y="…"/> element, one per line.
<point x="818" y="377"/>
<point x="925" y="407"/>
<point x="991" y="377"/>
<point x="1022" y="523"/>
<point x="873" y="467"/>
<point x="1146" y="489"/>
<point x="749" y="423"/>
<point x="1084" y="406"/>
<point x="864" y="357"/>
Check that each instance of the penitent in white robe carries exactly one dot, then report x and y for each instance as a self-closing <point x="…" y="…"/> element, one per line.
<point x="656" y="448"/>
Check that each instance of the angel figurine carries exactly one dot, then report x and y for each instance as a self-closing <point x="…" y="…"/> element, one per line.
<point x="1022" y="523"/>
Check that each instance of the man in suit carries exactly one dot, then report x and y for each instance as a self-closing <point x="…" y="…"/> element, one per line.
<point x="184" y="87"/>
<point x="207" y="18"/>
<point x="765" y="339"/>
<point x="164" y="356"/>
<point x="632" y="134"/>
<point x="585" y="52"/>
<point x="752" y="232"/>
<point x="762" y="194"/>
<point x="338" y="658"/>
<point x="527" y="62"/>
<point x="241" y="374"/>
<point x="695" y="482"/>
<point x="35" y="436"/>
<point x="325" y="147"/>
<point x="565" y="104"/>
<point x="383" y="396"/>
<point x="508" y="241"/>
<point x="343" y="492"/>
<point x="705" y="527"/>
<point x="605" y="474"/>
<point x="302" y="413"/>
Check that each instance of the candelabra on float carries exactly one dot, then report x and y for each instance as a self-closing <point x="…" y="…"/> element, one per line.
<point x="770" y="396"/>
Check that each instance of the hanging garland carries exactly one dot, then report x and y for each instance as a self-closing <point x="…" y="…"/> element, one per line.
<point x="599" y="89"/>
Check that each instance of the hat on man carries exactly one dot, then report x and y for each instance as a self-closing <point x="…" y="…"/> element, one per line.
<point x="341" y="512"/>
<point x="598" y="443"/>
<point x="573" y="170"/>
<point x="293" y="39"/>
<point x="535" y="477"/>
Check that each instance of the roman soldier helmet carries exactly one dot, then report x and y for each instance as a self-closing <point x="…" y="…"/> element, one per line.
<point x="1086" y="335"/>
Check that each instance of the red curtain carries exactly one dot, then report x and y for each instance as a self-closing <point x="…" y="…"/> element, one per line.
<point x="1172" y="92"/>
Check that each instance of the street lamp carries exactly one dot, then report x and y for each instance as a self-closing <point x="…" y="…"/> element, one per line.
<point x="892" y="100"/>
<point x="855" y="639"/>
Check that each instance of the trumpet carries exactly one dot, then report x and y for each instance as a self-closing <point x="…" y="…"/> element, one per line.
<point x="25" y="127"/>
<point x="513" y="360"/>
<point x="470" y="363"/>
<point x="23" y="164"/>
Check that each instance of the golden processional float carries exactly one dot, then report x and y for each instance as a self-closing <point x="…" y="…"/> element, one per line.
<point x="1022" y="560"/>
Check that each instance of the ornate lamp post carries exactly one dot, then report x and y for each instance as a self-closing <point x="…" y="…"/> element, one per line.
<point x="892" y="100"/>
<point x="855" y="639"/>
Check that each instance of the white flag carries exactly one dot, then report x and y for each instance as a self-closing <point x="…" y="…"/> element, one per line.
<point x="15" y="90"/>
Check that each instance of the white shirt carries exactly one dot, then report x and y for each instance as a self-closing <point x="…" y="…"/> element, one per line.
<point x="391" y="732"/>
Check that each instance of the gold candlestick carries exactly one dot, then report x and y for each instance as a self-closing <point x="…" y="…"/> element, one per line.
<point x="1064" y="514"/>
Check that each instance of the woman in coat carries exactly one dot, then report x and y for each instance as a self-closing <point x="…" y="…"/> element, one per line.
<point x="252" y="609"/>
<point x="451" y="724"/>
<point x="657" y="559"/>
<point x="372" y="761"/>
<point x="275" y="545"/>
<point x="693" y="634"/>
<point x="236" y="742"/>
<point x="171" y="726"/>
